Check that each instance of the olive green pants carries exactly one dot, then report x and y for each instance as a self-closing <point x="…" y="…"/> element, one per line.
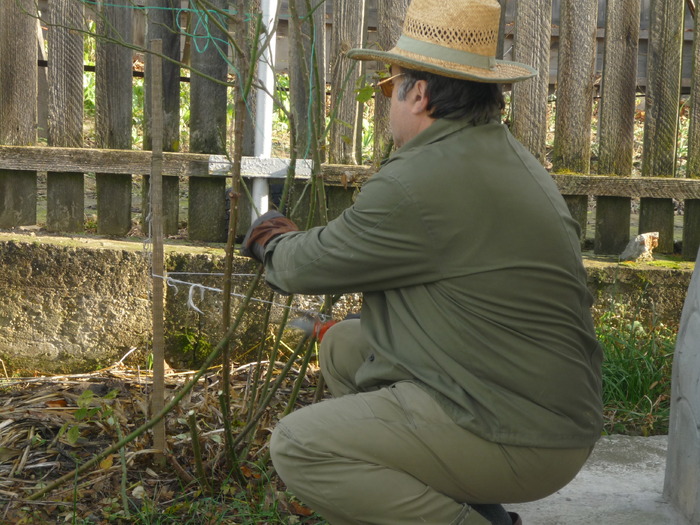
<point x="392" y="456"/>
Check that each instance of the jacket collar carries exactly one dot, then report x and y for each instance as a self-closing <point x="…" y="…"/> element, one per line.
<point x="437" y="131"/>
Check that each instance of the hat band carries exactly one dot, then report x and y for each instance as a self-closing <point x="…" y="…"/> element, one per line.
<point x="464" y="58"/>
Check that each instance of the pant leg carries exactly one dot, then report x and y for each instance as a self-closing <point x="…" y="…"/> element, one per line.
<point x="331" y="456"/>
<point x="342" y="351"/>
<point x="392" y="456"/>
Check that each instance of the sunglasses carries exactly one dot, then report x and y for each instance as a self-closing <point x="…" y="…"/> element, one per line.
<point x="387" y="85"/>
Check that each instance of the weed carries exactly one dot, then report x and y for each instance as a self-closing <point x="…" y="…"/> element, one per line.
<point x="636" y="372"/>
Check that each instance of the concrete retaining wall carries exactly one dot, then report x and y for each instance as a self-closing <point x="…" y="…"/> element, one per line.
<point x="76" y="304"/>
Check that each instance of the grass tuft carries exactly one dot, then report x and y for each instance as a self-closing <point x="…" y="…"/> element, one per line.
<point x="637" y="365"/>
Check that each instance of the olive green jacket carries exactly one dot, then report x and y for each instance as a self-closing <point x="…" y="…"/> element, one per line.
<point x="473" y="285"/>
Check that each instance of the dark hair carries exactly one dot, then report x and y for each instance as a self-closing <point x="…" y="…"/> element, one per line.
<point x="453" y="98"/>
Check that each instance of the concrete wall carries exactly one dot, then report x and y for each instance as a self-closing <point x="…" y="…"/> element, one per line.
<point x="77" y="304"/>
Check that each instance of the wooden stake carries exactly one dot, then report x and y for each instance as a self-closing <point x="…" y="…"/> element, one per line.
<point x="158" y="395"/>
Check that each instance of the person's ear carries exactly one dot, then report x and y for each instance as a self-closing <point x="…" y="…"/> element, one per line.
<point x="419" y="97"/>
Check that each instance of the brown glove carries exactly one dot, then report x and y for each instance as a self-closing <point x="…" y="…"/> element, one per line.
<point x="265" y="228"/>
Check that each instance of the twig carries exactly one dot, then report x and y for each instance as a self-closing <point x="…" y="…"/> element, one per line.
<point x="265" y="402"/>
<point x="160" y="415"/>
<point x="197" y="451"/>
<point x="122" y="485"/>
<point x="184" y="476"/>
<point x="133" y="348"/>
<point x="300" y="379"/>
<point x="691" y="7"/>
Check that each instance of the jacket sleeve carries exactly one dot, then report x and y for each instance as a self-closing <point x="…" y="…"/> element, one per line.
<point x="379" y="243"/>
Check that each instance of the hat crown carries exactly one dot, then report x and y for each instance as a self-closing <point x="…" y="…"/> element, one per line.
<point x="470" y="25"/>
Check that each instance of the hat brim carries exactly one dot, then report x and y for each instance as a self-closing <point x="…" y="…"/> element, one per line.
<point x="504" y="71"/>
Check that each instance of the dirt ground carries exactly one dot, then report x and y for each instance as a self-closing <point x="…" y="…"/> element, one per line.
<point x="50" y="425"/>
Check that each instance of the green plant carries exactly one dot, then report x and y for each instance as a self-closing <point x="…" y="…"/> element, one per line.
<point x="637" y="365"/>
<point x="137" y="113"/>
<point x="193" y="345"/>
<point x="90" y="408"/>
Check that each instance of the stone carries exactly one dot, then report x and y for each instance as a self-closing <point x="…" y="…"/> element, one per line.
<point x="682" y="481"/>
<point x="640" y="248"/>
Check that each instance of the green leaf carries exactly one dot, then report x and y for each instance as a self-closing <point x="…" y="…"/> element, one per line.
<point x="365" y="93"/>
<point x="85" y="398"/>
<point x="73" y="435"/>
<point x="111" y="394"/>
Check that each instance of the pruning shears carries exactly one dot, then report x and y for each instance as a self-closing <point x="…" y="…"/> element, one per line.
<point x="312" y="325"/>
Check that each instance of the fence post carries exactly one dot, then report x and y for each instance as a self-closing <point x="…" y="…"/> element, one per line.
<point x="533" y="33"/>
<point x="572" y="136"/>
<point x="348" y="32"/>
<point x="18" y="107"/>
<point x="616" y="121"/>
<point x="113" y="100"/>
<point x="207" y="204"/>
<point x="661" y="122"/>
<point x="691" y="215"/>
<point x="162" y="24"/>
<point x="65" y="192"/>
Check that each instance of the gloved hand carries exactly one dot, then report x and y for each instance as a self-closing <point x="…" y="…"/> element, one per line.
<point x="265" y="228"/>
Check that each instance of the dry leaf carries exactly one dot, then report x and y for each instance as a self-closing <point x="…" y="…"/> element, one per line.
<point x="107" y="462"/>
<point x="248" y="472"/>
<point x="139" y="492"/>
<point x="299" y="509"/>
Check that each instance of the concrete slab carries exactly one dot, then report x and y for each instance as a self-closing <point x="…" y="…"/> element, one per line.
<point x="621" y="484"/>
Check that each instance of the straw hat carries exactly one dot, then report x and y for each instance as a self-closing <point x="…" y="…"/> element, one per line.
<point x="452" y="38"/>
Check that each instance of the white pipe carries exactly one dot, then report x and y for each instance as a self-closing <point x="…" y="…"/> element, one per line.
<point x="264" y="107"/>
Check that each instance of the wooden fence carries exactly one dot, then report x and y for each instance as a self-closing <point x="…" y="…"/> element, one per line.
<point x="581" y="77"/>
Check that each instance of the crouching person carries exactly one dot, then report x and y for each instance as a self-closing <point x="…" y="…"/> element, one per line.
<point x="473" y="377"/>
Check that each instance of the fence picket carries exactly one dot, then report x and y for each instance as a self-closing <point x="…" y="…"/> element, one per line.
<point x="113" y="99"/>
<point x="18" y="107"/>
<point x="207" y="204"/>
<point x="162" y="24"/>
<point x="661" y="122"/>
<point x="65" y="192"/>
<point x="572" y="136"/>
<point x="691" y="216"/>
<point x="533" y="22"/>
<point x="348" y="32"/>
<point x="390" y="16"/>
<point x="616" y="121"/>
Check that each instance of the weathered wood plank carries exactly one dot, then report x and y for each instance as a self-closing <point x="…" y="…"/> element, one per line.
<point x="693" y="166"/>
<point x="113" y="99"/>
<point x="663" y="90"/>
<point x="65" y="192"/>
<point x="691" y="219"/>
<point x="390" y="16"/>
<point x="626" y="187"/>
<point x="87" y="160"/>
<point x="691" y="231"/>
<point x="616" y="121"/>
<point x="348" y="33"/>
<point x="572" y="135"/>
<point x="18" y="107"/>
<point x="307" y="77"/>
<point x="162" y="24"/>
<point x="661" y="122"/>
<point x="612" y="224"/>
<point x="617" y="104"/>
<point x="207" y="205"/>
<point x="531" y="46"/>
<point x="92" y="160"/>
